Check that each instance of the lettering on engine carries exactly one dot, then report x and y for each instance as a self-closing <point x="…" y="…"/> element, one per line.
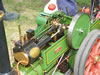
<point x="58" y="49"/>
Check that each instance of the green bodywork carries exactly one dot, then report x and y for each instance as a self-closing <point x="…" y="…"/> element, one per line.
<point x="49" y="57"/>
<point x="80" y="30"/>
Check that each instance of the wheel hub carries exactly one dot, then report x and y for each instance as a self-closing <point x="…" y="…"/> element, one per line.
<point x="97" y="58"/>
<point x="78" y="29"/>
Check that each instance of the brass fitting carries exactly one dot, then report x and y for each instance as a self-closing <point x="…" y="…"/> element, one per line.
<point x="26" y="37"/>
<point x="22" y="40"/>
<point x="22" y="57"/>
<point x="34" y="52"/>
<point x="1" y="14"/>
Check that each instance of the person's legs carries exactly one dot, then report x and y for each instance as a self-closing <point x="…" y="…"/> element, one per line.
<point x="8" y="16"/>
<point x="1" y="6"/>
<point x="68" y="6"/>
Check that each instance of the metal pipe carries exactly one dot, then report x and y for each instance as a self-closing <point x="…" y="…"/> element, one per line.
<point x="19" y="28"/>
<point x="5" y="68"/>
<point x="92" y="10"/>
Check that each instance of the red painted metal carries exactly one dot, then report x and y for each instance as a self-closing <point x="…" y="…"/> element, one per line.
<point x="52" y="7"/>
<point x="98" y="15"/>
<point x="86" y="10"/>
<point x="92" y="66"/>
<point x="58" y="49"/>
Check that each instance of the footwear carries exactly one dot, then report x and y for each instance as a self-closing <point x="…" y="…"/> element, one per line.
<point x="10" y="16"/>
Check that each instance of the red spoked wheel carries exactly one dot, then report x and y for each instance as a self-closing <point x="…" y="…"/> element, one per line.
<point x="81" y="51"/>
<point x="92" y="66"/>
<point x="87" y="61"/>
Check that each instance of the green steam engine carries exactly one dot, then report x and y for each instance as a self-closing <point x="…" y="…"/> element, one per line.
<point x="60" y="45"/>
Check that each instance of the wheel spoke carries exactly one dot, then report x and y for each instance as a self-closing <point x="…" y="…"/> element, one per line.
<point x="91" y="56"/>
<point x="98" y="53"/>
<point x="97" y="47"/>
<point x="89" y="60"/>
<point x="90" y="73"/>
<point x="98" y="65"/>
<point x="92" y="65"/>
<point x="87" y="69"/>
<point x="95" y="71"/>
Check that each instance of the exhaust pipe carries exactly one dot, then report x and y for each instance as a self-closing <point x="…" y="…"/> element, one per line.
<point x="5" y="67"/>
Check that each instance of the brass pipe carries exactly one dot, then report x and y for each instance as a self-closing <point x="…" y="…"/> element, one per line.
<point x="19" y="28"/>
<point x="22" y="40"/>
<point x="26" y="37"/>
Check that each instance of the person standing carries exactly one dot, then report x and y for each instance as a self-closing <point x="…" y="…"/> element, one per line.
<point x="8" y="15"/>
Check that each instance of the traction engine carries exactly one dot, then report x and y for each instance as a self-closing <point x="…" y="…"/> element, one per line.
<point x="60" y="45"/>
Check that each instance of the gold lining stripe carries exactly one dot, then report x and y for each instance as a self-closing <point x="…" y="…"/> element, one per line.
<point x="57" y="56"/>
<point x="57" y="44"/>
<point x="95" y="24"/>
<point x="53" y="49"/>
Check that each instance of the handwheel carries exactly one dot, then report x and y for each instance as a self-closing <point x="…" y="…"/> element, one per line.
<point x="81" y="50"/>
<point x="90" y="59"/>
<point x="78" y="29"/>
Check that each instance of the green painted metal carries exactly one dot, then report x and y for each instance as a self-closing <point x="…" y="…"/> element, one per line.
<point x="62" y="17"/>
<point x="72" y="58"/>
<point x="42" y="19"/>
<point x="34" y="69"/>
<point x="40" y="30"/>
<point x="80" y="30"/>
<point x="50" y="56"/>
<point x="45" y="26"/>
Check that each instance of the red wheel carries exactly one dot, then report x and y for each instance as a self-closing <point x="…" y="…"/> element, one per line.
<point x="81" y="50"/>
<point x="90" y="60"/>
<point x="92" y="66"/>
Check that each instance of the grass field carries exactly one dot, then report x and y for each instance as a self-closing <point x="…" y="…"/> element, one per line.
<point x="28" y="10"/>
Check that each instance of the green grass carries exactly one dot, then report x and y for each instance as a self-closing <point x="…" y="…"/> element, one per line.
<point x="83" y="3"/>
<point x="21" y="5"/>
<point x="28" y="10"/>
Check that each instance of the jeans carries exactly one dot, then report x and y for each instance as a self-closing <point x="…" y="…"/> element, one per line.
<point x="68" y="6"/>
